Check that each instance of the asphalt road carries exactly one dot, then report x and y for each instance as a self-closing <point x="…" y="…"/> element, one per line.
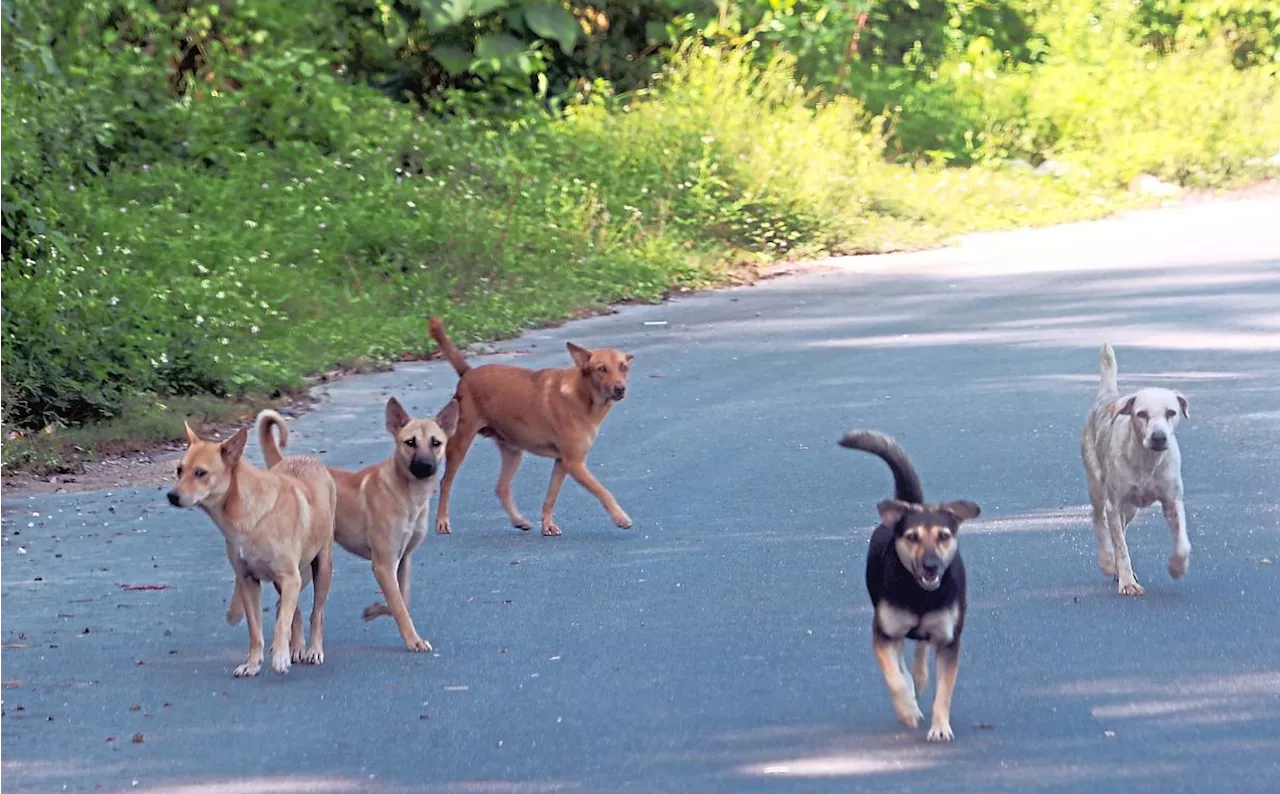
<point x="723" y="643"/>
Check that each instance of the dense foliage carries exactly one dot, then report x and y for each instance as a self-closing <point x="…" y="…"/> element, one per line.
<point x="223" y="196"/>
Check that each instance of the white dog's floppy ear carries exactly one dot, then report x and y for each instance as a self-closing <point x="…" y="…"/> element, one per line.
<point x="1184" y="404"/>
<point x="1124" y="406"/>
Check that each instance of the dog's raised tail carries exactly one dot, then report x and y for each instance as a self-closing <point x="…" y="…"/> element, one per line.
<point x="906" y="482"/>
<point x="1107" y="362"/>
<point x="267" y="439"/>
<point x="447" y="347"/>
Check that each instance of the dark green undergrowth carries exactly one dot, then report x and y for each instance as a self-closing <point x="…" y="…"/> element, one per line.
<point x="231" y="236"/>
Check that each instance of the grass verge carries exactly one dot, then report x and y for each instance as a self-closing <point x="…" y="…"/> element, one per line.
<point x="240" y="272"/>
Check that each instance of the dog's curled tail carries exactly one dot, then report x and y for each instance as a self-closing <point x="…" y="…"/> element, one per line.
<point x="267" y="440"/>
<point x="447" y="347"/>
<point x="1107" y="361"/>
<point x="906" y="482"/>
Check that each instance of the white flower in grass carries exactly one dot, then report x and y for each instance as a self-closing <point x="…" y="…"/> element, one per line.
<point x="251" y="224"/>
<point x="253" y="329"/>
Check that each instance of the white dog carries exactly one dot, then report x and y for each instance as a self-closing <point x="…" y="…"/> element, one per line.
<point x="1131" y="460"/>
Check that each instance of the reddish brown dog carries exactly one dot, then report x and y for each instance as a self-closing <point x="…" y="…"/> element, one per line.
<point x="555" y="413"/>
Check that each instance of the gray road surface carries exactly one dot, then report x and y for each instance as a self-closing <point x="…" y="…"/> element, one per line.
<point x="723" y="643"/>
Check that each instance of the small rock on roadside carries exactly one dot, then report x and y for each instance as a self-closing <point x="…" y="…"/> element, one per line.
<point x="1149" y="185"/>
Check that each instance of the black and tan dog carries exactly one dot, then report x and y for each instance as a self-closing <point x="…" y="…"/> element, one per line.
<point x="915" y="578"/>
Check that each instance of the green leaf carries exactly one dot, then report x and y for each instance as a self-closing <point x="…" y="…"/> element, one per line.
<point x="552" y="21"/>
<point x="443" y="14"/>
<point x="482" y="7"/>
<point x="306" y="69"/>
<point x="453" y="58"/>
<point x="498" y="46"/>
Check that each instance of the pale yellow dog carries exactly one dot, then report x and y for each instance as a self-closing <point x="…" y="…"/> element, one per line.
<point x="278" y="527"/>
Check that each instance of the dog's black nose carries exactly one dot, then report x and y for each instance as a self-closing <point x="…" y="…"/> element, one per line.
<point x="930" y="568"/>
<point x="1159" y="437"/>
<point x="619" y="391"/>
<point x="422" y="469"/>
<point x="174" y="499"/>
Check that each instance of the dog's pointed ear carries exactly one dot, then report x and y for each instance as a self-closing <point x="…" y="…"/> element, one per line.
<point x="233" y="447"/>
<point x="581" y="356"/>
<point x="397" y="416"/>
<point x="192" y="438"/>
<point x="630" y="356"/>
<point x="1123" y="406"/>
<point x="1184" y="404"/>
<point x="448" y="418"/>
<point x="891" y="511"/>
<point x="962" y="510"/>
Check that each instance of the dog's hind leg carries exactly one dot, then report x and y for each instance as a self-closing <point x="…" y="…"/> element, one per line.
<point x="455" y="453"/>
<point x="321" y="580"/>
<point x="1176" y="515"/>
<point x="558" y="473"/>
<point x="1102" y="530"/>
<point x="948" y="665"/>
<point x="889" y="655"/>
<point x="511" y="457"/>
<point x="1098" y="502"/>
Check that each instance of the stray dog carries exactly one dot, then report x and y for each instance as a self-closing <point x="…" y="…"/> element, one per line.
<point x="555" y="413"/>
<point x="1131" y="460"/>
<point x="915" y="578"/>
<point x="278" y="527"/>
<point x="382" y="509"/>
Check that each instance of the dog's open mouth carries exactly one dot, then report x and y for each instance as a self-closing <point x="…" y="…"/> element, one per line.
<point x="930" y="580"/>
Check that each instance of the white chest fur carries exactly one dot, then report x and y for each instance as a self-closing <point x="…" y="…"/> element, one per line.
<point x="939" y="626"/>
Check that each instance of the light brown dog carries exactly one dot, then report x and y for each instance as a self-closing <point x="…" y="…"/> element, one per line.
<point x="383" y="508"/>
<point x="278" y="527"/>
<point x="555" y="413"/>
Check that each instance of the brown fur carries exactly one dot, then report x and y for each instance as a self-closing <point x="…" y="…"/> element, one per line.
<point x="555" y="413"/>
<point x="383" y="508"/>
<point x="278" y="527"/>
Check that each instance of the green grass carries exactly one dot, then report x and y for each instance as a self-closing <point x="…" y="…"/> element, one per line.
<point x="241" y="272"/>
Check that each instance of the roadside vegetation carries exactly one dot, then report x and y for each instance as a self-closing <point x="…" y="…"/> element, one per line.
<point x="206" y="203"/>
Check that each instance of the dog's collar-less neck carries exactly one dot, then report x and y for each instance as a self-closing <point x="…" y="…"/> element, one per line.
<point x="589" y="396"/>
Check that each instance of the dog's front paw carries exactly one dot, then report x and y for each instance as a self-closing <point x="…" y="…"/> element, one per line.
<point x="521" y="523"/>
<point x="313" y="655"/>
<point x="1131" y="588"/>
<point x="442" y="526"/>
<point x="549" y="529"/>
<point x="909" y="713"/>
<point x="621" y="519"/>
<point x="280" y="660"/>
<point x="376" y="610"/>
<point x="940" y="732"/>
<point x="248" y="669"/>
<point x="418" y="644"/>
<point x="1178" y="566"/>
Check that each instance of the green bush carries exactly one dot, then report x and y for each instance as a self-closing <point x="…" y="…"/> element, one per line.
<point x="221" y="198"/>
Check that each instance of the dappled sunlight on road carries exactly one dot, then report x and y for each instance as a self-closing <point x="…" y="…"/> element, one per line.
<point x="1048" y="520"/>
<point x="287" y="784"/>
<point x="845" y="764"/>
<point x="1180" y="702"/>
